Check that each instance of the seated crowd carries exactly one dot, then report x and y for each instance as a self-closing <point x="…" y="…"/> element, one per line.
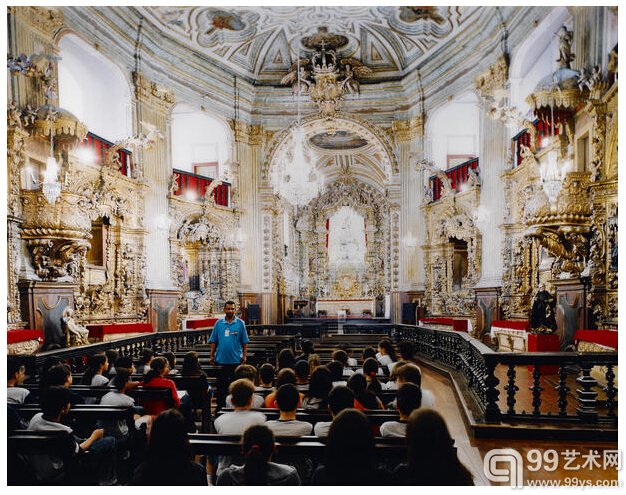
<point x="294" y="388"/>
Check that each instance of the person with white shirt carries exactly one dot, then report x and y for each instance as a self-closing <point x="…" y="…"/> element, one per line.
<point x="16" y="374"/>
<point x="336" y="370"/>
<point x="386" y="354"/>
<point x="410" y="373"/>
<point x="342" y="356"/>
<point x="55" y="405"/>
<point x="237" y="421"/>
<point x="393" y="376"/>
<point x="249" y="372"/>
<point x="340" y="398"/>
<point x="117" y="397"/>
<point x="93" y="376"/>
<point x="409" y="398"/>
<point x="287" y="425"/>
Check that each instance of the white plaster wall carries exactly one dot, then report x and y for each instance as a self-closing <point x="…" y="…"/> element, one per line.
<point x="535" y="58"/>
<point x="453" y="129"/>
<point x="94" y="89"/>
<point x="198" y="138"/>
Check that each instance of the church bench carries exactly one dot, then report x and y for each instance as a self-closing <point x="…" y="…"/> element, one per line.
<point x="24" y="443"/>
<point x="283" y="341"/>
<point x="305" y="446"/>
<point x="83" y="418"/>
<point x="353" y="339"/>
<point x="255" y="354"/>
<point x="376" y="418"/>
<point x="139" y="394"/>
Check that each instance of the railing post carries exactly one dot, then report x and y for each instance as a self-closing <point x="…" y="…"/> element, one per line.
<point x="511" y="389"/>
<point x="536" y="390"/>
<point x="563" y="389"/>
<point x="587" y="404"/>
<point x="492" y="410"/>
<point x="610" y="391"/>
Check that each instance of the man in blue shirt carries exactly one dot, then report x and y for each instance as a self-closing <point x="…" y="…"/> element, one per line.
<point x="229" y="346"/>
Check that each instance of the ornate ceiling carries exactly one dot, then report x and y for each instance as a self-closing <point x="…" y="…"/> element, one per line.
<point x="261" y="43"/>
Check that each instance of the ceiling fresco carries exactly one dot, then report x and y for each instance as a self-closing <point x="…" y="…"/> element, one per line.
<point x="340" y="140"/>
<point x="263" y="42"/>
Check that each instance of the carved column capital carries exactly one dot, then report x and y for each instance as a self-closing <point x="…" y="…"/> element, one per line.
<point x="151" y="93"/>
<point x="47" y="20"/>
<point x="406" y="130"/>
<point x="494" y="78"/>
<point x="245" y="133"/>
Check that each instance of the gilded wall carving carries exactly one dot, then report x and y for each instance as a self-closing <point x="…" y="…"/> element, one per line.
<point x="318" y="279"/>
<point x="447" y="221"/>
<point x="205" y="255"/>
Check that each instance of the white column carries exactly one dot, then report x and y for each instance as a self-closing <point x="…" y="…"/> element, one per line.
<point x="157" y="172"/>
<point x="489" y="216"/>
<point x="411" y="260"/>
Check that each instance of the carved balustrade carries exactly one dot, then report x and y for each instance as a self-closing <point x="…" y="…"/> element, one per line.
<point x="458" y="175"/>
<point x="99" y="146"/>
<point x="493" y="379"/>
<point x="536" y="140"/>
<point x="195" y="186"/>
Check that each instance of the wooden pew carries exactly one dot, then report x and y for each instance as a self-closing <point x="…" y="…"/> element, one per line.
<point x="305" y="446"/>
<point x="23" y="443"/>
<point x="139" y="394"/>
<point x="377" y="418"/>
<point x="82" y="418"/>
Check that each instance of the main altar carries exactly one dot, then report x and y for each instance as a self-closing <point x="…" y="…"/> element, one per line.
<point x="346" y="307"/>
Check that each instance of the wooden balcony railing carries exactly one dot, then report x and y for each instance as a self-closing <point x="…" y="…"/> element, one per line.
<point x="458" y="176"/>
<point x="98" y="145"/>
<point x="496" y="380"/>
<point x="544" y="132"/>
<point x="194" y="186"/>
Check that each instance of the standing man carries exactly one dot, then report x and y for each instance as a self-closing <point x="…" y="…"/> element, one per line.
<point x="229" y="346"/>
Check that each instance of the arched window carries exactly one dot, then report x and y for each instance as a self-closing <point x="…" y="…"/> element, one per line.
<point x="452" y="131"/>
<point x="200" y="142"/>
<point x="94" y="89"/>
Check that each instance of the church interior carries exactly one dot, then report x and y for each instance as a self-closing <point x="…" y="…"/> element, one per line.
<point x="443" y="179"/>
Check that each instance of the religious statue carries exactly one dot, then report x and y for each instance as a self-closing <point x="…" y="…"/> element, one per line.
<point x="542" y="315"/>
<point x="565" y="47"/>
<point x="75" y="334"/>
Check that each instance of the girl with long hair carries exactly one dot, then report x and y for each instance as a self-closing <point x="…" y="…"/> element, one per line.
<point x="257" y="447"/>
<point x="93" y="376"/>
<point x="432" y="457"/>
<point x="363" y="398"/>
<point x="169" y="459"/>
<point x="386" y="353"/>
<point x="155" y="378"/>
<point x="320" y="385"/>
<point x="350" y="453"/>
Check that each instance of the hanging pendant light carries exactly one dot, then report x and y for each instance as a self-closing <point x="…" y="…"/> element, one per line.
<point x="51" y="187"/>
<point x="299" y="181"/>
